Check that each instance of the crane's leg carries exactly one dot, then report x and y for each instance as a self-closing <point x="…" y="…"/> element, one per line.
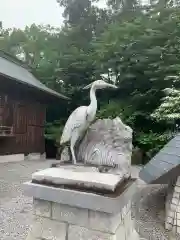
<point x="59" y="151"/>
<point x="73" y="141"/>
<point x="70" y="154"/>
<point x="73" y="154"/>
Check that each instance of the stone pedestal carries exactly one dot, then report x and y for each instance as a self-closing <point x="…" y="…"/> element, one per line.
<point x="69" y="214"/>
<point x="172" y="222"/>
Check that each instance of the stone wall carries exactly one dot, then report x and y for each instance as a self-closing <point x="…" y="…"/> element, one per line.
<point x="55" y="221"/>
<point x="172" y="205"/>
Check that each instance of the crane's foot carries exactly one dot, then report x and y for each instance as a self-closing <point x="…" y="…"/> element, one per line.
<point x="61" y="163"/>
<point x="54" y="165"/>
<point x="74" y="162"/>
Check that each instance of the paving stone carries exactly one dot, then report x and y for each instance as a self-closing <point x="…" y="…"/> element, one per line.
<point x="81" y="233"/>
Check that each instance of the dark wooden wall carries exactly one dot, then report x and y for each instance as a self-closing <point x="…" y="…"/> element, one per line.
<point x="27" y="117"/>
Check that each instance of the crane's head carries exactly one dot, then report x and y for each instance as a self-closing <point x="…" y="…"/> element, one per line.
<point x="100" y="84"/>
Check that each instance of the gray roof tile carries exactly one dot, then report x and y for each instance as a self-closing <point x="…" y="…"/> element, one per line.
<point x="21" y="74"/>
<point x="165" y="158"/>
<point x="146" y="176"/>
<point x="164" y="167"/>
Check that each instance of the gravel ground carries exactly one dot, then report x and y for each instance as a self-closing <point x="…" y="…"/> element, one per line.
<point x="16" y="209"/>
<point x="149" y="213"/>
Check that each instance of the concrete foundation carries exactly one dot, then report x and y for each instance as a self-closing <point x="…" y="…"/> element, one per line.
<point x="65" y="214"/>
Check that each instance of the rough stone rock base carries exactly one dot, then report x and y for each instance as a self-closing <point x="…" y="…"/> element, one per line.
<point x="54" y="221"/>
<point x="172" y="222"/>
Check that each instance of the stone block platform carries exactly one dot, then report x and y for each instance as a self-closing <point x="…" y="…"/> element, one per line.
<point x="63" y="213"/>
<point x="172" y="222"/>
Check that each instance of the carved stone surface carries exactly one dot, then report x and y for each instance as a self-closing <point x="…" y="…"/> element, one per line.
<point x="107" y="143"/>
<point x="109" y="203"/>
<point x="86" y="179"/>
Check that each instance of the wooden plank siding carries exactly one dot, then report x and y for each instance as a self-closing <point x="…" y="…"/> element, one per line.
<point x="27" y="119"/>
<point x="23" y="101"/>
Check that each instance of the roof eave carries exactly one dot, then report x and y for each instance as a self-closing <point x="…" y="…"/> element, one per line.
<point x="58" y="95"/>
<point x="55" y="94"/>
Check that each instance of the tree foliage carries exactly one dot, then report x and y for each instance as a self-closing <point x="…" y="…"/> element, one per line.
<point x="169" y="109"/>
<point x="135" y="46"/>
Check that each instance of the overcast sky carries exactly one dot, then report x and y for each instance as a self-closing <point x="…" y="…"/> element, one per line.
<point x="19" y="13"/>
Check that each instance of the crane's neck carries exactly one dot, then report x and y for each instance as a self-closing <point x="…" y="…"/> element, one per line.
<point x="92" y="108"/>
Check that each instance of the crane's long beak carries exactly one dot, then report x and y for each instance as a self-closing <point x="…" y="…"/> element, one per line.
<point x="88" y="86"/>
<point x="111" y="86"/>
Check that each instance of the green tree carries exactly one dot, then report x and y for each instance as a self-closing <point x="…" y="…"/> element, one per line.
<point x="136" y="49"/>
<point x="169" y="109"/>
<point x="142" y="54"/>
<point x="123" y="5"/>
